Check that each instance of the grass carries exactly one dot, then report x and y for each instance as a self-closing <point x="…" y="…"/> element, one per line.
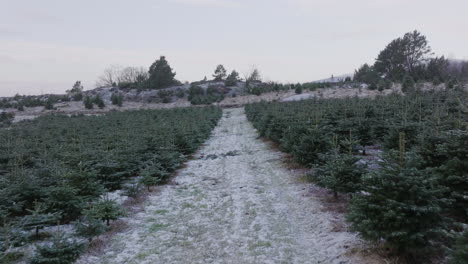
<point x="157" y="227"/>
<point x="161" y="212"/>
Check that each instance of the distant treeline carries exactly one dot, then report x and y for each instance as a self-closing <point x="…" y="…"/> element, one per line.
<point x="409" y="59"/>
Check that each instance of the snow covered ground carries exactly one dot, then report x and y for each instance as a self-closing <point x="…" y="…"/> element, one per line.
<point x="233" y="203"/>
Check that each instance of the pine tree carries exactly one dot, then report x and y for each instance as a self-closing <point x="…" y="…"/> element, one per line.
<point x="220" y="73"/>
<point x="400" y="203"/>
<point x="160" y="74"/>
<point x="232" y="79"/>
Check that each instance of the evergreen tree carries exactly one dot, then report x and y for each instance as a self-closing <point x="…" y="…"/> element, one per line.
<point x="62" y="250"/>
<point x="69" y="208"/>
<point x="89" y="228"/>
<point x="49" y="105"/>
<point x="437" y="69"/>
<point x="117" y="99"/>
<point x="85" y="183"/>
<point x="340" y="173"/>
<point x="232" y="79"/>
<point x="311" y="146"/>
<point x="220" y="73"/>
<point x="99" y="102"/>
<point x="400" y="203"/>
<point x="298" y="89"/>
<point x="77" y="97"/>
<point x="460" y="252"/>
<point x="366" y="74"/>
<point x="77" y="88"/>
<point x="88" y="102"/>
<point x="160" y="74"/>
<point x="408" y="84"/>
<point x="38" y="219"/>
<point x="403" y="56"/>
<point x="105" y="210"/>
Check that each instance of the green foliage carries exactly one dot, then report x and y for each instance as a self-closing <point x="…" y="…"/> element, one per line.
<point x="117" y="99"/>
<point x="67" y="162"/>
<point x="62" y="250"/>
<point x="411" y="202"/>
<point x="69" y="208"/>
<point x="77" y="97"/>
<point x="105" y="210"/>
<point x="88" y="102"/>
<point x="460" y="252"/>
<point x="38" y="219"/>
<point x="6" y="118"/>
<point x="198" y="96"/>
<point x="160" y="74"/>
<point x="340" y="173"/>
<point x="403" y="56"/>
<point x="99" y="102"/>
<point x="232" y="79"/>
<point x="400" y="203"/>
<point x="77" y="88"/>
<point x="89" y="228"/>
<point x="298" y="89"/>
<point x="408" y="84"/>
<point x="49" y="105"/>
<point x="446" y="154"/>
<point x="366" y="74"/>
<point x="220" y="73"/>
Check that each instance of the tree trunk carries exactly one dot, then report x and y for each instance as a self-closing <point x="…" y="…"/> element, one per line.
<point x="107" y="222"/>
<point x="363" y="150"/>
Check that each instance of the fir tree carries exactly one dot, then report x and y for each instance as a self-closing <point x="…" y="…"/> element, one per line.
<point x="38" y="219"/>
<point x="105" y="210"/>
<point x="62" y="250"/>
<point x="89" y="228"/>
<point x="459" y="253"/>
<point x="340" y="173"/>
<point x="400" y="203"/>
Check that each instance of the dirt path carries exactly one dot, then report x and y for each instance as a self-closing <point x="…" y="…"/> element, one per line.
<point x="234" y="203"/>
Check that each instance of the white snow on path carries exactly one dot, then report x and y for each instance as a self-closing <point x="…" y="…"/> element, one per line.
<point x="234" y="203"/>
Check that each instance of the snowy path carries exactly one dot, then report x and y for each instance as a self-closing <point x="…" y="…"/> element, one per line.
<point x="234" y="203"/>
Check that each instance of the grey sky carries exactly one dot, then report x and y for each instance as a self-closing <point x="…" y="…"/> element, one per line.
<point x="45" y="46"/>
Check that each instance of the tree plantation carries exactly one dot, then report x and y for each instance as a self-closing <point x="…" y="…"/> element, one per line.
<point x="414" y="196"/>
<point x="55" y="169"/>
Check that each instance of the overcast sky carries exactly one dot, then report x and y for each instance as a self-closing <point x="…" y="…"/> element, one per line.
<point x="46" y="45"/>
